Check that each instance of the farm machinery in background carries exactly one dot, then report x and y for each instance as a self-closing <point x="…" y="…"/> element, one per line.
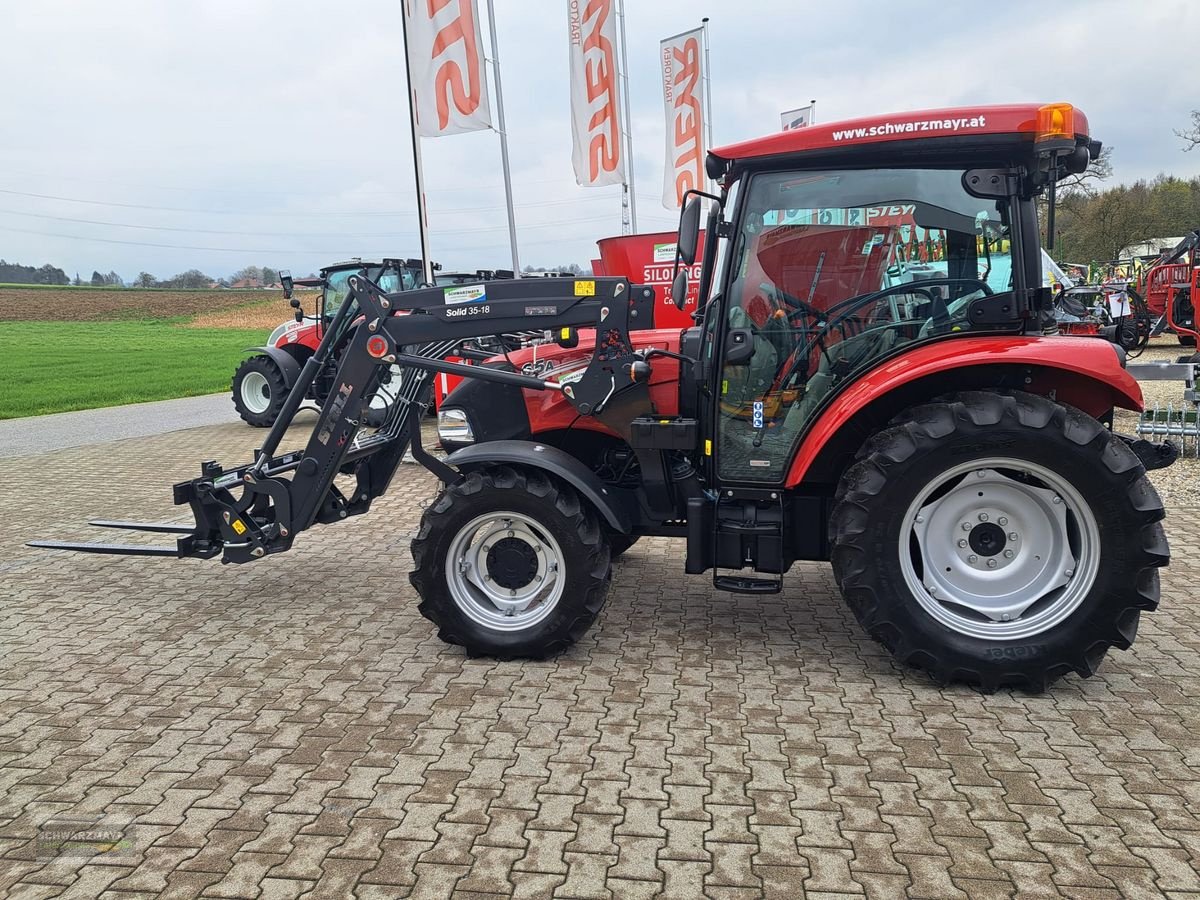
<point x="1170" y="285"/>
<point x="261" y="382"/>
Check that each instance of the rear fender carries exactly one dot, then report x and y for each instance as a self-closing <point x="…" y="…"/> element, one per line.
<point x="552" y="461"/>
<point x="289" y="368"/>
<point x="1086" y="373"/>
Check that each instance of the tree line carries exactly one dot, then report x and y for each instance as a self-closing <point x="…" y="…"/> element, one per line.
<point x="1097" y="224"/>
<point x="15" y="273"/>
<point x="192" y="279"/>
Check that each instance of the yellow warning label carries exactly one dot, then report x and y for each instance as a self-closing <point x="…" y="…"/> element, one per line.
<point x="708" y="447"/>
<point x="725" y="386"/>
<point x="565" y="334"/>
<point x="239" y="526"/>
<point x="585" y="289"/>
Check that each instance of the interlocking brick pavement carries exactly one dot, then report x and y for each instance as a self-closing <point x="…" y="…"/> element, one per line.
<point x="294" y="728"/>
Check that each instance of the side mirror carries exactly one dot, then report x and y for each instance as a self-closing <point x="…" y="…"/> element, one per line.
<point x="679" y="288"/>
<point x="689" y="231"/>
<point x="285" y="278"/>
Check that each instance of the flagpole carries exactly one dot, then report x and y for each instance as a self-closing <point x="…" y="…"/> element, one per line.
<point x="708" y="139"/>
<point x="422" y="217"/>
<point x="508" y="193"/>
<point x="628" y="186"/>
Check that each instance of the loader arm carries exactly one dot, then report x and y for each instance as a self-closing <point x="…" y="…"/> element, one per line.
<point x="257" y="508"/>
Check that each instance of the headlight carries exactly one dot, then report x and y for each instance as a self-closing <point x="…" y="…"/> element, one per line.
<point x="455" y="427"/>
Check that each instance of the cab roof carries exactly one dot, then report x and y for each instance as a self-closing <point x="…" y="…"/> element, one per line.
<point x="1020" y="120"/>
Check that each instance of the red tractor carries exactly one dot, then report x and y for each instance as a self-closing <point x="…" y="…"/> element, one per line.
<point x="261" y="383"/>
<point x="957" y="468"/>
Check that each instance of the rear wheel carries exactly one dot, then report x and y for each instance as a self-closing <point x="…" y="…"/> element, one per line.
<point x="259" y="391"/>
<point x="999" y="540"/>
<point x="510" y="562"/>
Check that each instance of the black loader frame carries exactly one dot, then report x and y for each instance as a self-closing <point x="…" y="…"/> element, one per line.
<point x="255" y="509"/>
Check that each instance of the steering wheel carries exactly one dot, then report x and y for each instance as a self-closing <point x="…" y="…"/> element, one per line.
<point x="797" y="305"/>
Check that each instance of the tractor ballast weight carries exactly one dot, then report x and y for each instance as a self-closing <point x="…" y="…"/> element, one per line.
<point x="842" y="397"/>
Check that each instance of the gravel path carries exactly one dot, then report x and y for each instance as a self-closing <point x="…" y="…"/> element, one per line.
<point x="38" y="434"/>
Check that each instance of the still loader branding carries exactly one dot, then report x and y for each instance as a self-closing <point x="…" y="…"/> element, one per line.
<point x="471" y="294"/>
<point x="335" y="413"/>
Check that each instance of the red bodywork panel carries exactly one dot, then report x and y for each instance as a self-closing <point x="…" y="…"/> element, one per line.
<point x="551" y="411"/>
<point x="302" y="334"/>
<point x="918" y="125"/>
<point x="1082" y="371"/>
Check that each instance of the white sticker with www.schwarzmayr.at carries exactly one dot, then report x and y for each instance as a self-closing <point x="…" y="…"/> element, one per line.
<point x="474" y="294"/>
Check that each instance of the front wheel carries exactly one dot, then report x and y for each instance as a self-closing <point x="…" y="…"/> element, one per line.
<point x="999" y="540"/>
<point x="259" y="391"/>
<point x="510" y="563"/>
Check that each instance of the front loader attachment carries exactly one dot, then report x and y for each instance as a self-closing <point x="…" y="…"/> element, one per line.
<point x="257" y="509"/>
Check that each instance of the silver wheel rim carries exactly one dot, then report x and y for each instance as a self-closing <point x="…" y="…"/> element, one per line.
<point x="1000" y="549"/>
<point x="256" y="392"/>
<point x="481" y="578"/>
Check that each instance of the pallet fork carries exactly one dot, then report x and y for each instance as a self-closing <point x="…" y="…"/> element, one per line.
<point x="257" y="509"/>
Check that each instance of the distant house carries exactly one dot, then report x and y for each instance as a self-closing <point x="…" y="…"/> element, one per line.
<point x="245" y="284"/>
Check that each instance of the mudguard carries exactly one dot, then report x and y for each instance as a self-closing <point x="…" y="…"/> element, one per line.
<point x="1084" y="372"/>
<point x="553" y="461"/>
<point x="288" y="367"/>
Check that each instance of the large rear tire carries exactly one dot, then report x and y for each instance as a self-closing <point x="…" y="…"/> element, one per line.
<point x="510" y="563"/>
<point x="259" y="391"/>
<point x="1000" y="540"/>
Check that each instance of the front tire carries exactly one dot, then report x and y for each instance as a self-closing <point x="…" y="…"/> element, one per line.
<point x="259" y="391"/>
<point x="926" y="566"/>
<point x="510" y="563"/>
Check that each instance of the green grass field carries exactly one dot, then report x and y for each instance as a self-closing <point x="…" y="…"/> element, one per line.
<point x="48" y="367"/>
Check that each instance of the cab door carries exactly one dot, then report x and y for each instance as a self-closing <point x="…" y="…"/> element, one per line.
<point x="831" y="273"/>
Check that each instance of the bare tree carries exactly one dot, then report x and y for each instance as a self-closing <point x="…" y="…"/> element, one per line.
<point x="1191" y="135"/>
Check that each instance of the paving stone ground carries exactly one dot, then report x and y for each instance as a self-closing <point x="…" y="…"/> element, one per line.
<point x="294" y="727"/>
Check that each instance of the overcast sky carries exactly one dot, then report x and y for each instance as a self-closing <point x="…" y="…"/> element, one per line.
<point x="275" y="132"/>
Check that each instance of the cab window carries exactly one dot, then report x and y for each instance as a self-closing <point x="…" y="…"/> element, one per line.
<point x="832" y="271"/>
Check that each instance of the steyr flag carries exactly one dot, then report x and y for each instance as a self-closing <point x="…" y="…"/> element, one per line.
<point x="595" y="111"/>
<point x="447" y="65"/>
<point x="683" y="103"/>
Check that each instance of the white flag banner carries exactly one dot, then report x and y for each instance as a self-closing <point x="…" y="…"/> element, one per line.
<point x="798" y="118"/>
<point x="595" y="109"/>
<point x="447" y="64"/>
<point x="683" y="103"/>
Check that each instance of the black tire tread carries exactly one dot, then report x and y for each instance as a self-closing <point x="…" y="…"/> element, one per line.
<point x="916" y="431"/>
<point x="428" y="577"/>
<point x="279" y="391"/>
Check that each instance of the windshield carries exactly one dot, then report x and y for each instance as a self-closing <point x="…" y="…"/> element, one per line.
<point x="390" y="281"/>
<point x="829" y="272"/>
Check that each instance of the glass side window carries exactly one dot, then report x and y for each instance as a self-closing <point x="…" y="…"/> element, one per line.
<point x="336" y="286"/>
<point x="830" y="272"/>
